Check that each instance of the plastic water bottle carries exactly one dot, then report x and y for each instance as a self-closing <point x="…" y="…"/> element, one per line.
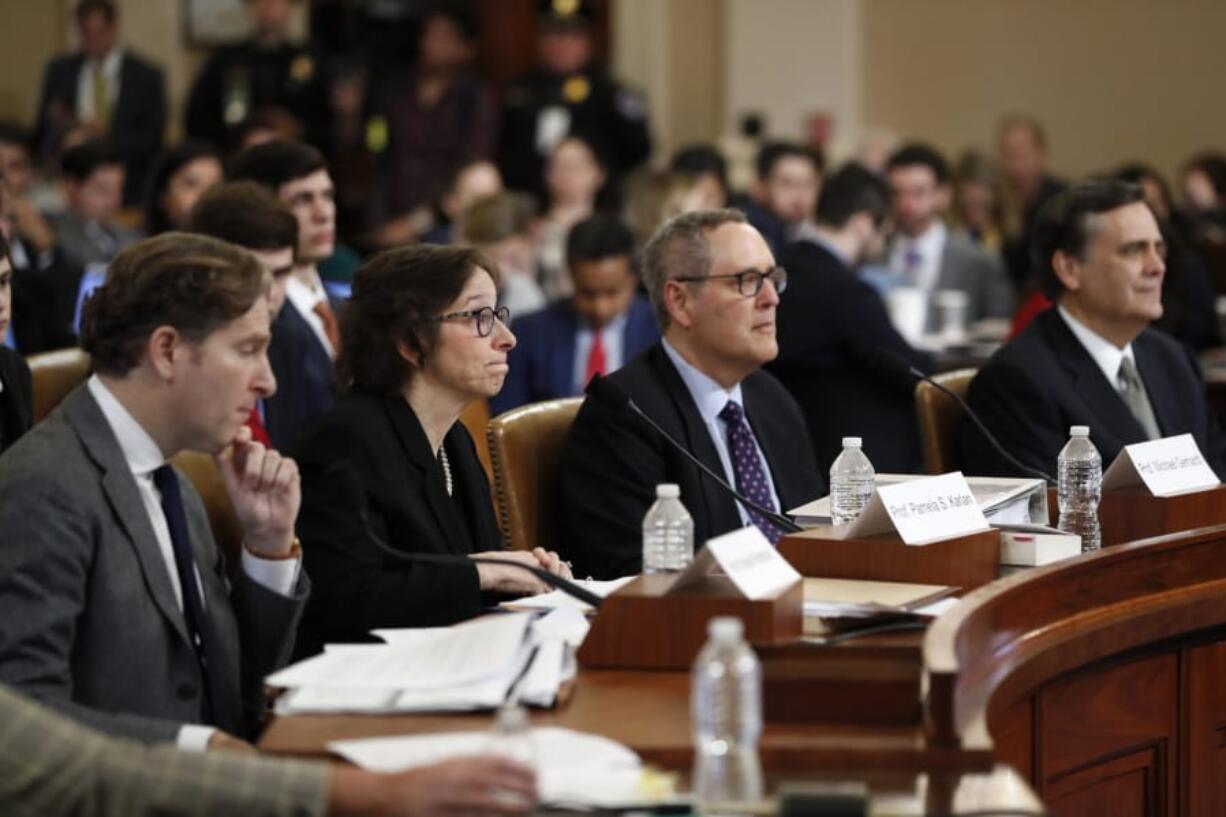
<point x="726" y="707"/>
<point x="1081" y="488"/>
<point x="511" y="737"/>
<point x="668" y="533"/>
<point x="851" y="483"/>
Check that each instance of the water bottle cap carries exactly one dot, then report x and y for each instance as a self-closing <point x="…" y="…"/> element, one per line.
<point x="852" y="442"/>
<point x="726" y="629"/>
<point x="668" y="490"/>
<point x="1079" y="431"/>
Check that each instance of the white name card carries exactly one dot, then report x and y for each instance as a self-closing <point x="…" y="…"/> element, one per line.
<point x="1170" y="466"/>
<point x="923" y="511"/>
<point x="749" y="560"/>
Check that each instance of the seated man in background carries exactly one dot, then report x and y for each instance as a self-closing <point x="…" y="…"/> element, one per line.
<point x="834" y="330"/>
<point x="117" y="606"/>
<point x="784" y="196"/>
<point x="89" y="232"/>
<point x="714" y="286"/>
<point x="248" y="216"/>
<point x="1092" y="359"/>
<point x="926" y="255"/>
<point x="601" y="326"/>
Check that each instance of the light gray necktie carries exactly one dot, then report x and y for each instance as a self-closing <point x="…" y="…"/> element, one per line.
<point x="1137" y="400"/>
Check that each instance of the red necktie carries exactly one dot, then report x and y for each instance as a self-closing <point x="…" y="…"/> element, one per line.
<point x="258" y="432"/>
<point x="595" y="358"/>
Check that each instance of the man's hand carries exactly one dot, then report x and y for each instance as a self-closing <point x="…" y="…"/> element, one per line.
<point x="225" y="742"/>
<point x="464" y="787"/>
<point x="265" y="490"/>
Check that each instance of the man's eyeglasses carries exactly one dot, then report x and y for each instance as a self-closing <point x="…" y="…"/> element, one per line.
<point x="749" y="282"/>
<point x="485" y="318"/>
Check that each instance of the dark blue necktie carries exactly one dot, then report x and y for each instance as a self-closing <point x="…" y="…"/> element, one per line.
<point x="747" y="469"/>
<point x="167" y="483"/>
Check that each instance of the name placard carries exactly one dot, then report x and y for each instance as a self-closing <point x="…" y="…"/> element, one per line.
<point x="1169" y="466"/>
<point x="923" y="511"/>
<point x="748" y="559"/>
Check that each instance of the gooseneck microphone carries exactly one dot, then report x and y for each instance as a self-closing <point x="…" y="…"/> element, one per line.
<point x="349" y="486"/>
<point x="895" y="365"/>
<point x="614" y="396"/>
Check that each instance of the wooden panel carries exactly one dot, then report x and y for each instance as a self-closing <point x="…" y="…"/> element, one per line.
<point x="1204" y="730"/>
<point x="1012" y="730"/>
<point x="1123" y="787"/>
<point x="1131" y="514"/>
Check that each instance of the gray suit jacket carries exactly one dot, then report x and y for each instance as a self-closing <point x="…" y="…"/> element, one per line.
<point x="976" y="272"/>
<point x="81" y="244"/>
<point x="88" y="619"/>
<point x="52" y="767"/>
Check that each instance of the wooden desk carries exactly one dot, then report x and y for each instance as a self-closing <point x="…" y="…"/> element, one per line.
<point x="1131" y="514"/>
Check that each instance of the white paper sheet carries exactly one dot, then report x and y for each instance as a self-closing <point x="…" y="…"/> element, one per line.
<point x="556" y="598"/>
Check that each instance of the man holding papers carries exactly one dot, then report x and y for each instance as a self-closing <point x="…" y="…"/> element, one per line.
<point x="714" y="286"/>
<point x="1092" y="359"/>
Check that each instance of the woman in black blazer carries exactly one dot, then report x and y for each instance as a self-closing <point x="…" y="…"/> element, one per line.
<point x="15" y="392"/>
<point x="420" y="340"/>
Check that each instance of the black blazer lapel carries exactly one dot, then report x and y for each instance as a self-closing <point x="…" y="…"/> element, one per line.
<point x="417" y="450"/>
<point x="1105" y="404"/>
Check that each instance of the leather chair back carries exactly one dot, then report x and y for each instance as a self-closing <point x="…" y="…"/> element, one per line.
<point x="525" y="449"/>
<point x="939" y="419"/>
<point x="476" y="418"/>
<point x="206" y="478"/>
<point x="53" y="375"/>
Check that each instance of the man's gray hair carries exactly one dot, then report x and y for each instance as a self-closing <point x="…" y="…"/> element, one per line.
<point x="680" y="249"/>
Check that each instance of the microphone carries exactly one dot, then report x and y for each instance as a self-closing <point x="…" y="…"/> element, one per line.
<point x="895" y="365"/>
<point x="351" y="486"/>
<point x="614" y="396"/>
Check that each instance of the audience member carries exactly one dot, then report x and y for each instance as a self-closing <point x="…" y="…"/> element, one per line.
<point x="1022" y="152"/>
<point x="32" y="237"/>
<point x="305" y="336"/>
<point x="784" y="196"/>
<point x="89" y="232"/>
<point x="653" y="198"/>
<point x="569" y="94"/>
<point x="180" y="175"/>
<point x="708" y="170"/>
<point x="573" y="181"/>
<point x="440" y="117"/>
<point x="56" y="768"/>
<point x="925" y="255"/>
<point x="501" y="227"/>
<point x="714" y="287"/>
<point x="605" y="323"/>
<point x="471" y="183"/>
<point x="268" y="75"/>
<point x="834" y="330"/>
<point x="118" y="607"/>
<point x="16" y="410"/>
<point x="1092" y="360"/>
<point x="115" y="94"/>
<point x="977" y="201"/>
<point x="247" y="215"/>
<point x="391" y="466"/>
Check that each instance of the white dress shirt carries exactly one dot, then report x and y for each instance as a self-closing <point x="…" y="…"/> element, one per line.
<point x="1106" y="354"/>
<point x="110" y="66"/>
<point x="930" y="245"/>
<point x="613" y="335"/>
<point x="144" y="457"/>
<point x="304" y="297"/>
<point x="711" y="397"/>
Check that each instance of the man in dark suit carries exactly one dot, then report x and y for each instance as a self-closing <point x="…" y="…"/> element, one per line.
<point x="15" y="392"/>
<point x="110" y="90"/>
<point x="714" y="287"/>
<point x="1091" y="359"/>
<point x="605" y="323"/>
<point x="305" y="335"/>
<point x="115" y="598"/>
<point x="834" y="329"/>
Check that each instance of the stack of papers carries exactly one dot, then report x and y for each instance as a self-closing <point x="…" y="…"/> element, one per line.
<point x="479" y="664"/>
<point x="556" y="599"/>
<point x="1002" y="499"/>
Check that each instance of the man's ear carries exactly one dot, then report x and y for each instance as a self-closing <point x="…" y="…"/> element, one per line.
<point x="677" y="300"/>
<point x="1068" y="270"/>
<point x="161" y="349"/>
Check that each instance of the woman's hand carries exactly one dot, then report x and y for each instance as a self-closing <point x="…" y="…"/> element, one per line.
<point x="507" y="578"/>
<point x="552" y="562"/>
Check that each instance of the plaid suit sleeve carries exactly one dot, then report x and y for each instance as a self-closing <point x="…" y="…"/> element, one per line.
<point x="51" y="766"/>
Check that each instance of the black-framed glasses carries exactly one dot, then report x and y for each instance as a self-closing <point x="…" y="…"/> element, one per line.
<point x="485" y="318"/>
<point x="748" y="282"/>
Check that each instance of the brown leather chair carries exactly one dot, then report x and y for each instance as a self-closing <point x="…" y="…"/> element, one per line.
<point x="203" y="473"/>
<point x="476" y="418"/>
<point x="939" y="418"/>
<point x="53" y="375"/>
<point x="525" y="447"/>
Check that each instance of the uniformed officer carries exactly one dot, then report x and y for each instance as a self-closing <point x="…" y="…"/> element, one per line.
<point x="567" y="93"/>
<point x="265" y="74"/>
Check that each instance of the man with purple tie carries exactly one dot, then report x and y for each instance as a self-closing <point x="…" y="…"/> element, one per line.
<point x="714" y="286"/>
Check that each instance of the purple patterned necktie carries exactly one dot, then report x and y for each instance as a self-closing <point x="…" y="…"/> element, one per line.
<point x="747" y="468"/>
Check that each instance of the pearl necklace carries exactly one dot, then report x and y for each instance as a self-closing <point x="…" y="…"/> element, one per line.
<point x="446" y="463"/>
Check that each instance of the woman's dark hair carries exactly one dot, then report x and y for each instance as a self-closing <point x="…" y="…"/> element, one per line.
<point x="397" y="298"/>
<point x="168" y="163"/>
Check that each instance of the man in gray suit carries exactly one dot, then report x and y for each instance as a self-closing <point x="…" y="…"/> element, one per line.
<point x="88" y="231"/>
<point x="925" y="254"/>
<point x="114" y="601"/>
